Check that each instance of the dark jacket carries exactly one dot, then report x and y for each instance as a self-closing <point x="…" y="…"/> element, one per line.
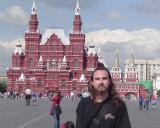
<point x="116" y="117"/>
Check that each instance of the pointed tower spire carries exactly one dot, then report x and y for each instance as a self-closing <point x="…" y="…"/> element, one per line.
<point x="18" y="48"/>
<point x="77" y="9"/>
<point x="64" y="60"/>
<point x="41" y="59"/>
<point x="77" y="23"/>
<point x="41" y="64"/>
<point x="33" y="22"/>
<point x="33" y="8"/>
<point x="64" y="63"/>
<point x="131" y="73"/>
<point x="116" y="71"/>
<point x="91" y="50"/>
<point x="82" y="78"/>
<point x="116" y="64"/>
<point x="132" y="63"/>
<point x="22" y="77"/>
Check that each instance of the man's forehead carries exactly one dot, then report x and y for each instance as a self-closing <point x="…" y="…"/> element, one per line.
<point x="98" y="72"/>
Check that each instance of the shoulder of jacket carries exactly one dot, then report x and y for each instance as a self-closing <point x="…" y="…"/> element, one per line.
<point x="118" y="102"/>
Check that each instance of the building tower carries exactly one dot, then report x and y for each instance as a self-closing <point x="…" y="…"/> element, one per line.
<point x="77" y="40"/>
<point x="116" y="71"/>
<point x="18" y="56"/>
<point x="131" y="74"/>
<point x="32" y="40"/>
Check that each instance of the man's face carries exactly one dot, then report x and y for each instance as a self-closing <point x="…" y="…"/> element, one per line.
<point x="101" y="81"/>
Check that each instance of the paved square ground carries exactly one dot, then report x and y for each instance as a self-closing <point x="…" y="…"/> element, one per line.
<point x="14" y="114"/>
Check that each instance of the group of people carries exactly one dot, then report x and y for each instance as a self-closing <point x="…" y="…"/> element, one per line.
<point x="102" y="108"/>
<point x="144" y="103"/>
<point x="28" y="95"/>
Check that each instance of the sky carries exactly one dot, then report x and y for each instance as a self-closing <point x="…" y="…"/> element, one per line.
<point x="109" y="24"/>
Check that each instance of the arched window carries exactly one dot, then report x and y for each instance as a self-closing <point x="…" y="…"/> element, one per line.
<point x="75" y="63"/>
<point x="30" y="62"/>
<point x="92" y="64"/>
<point x="17" y="63"/>
<point x="50" y="64"/>
<point x="39" y="83"/>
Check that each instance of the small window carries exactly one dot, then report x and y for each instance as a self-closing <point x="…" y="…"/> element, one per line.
<point x="75" y="63"/>
<point x="30" y="62"/>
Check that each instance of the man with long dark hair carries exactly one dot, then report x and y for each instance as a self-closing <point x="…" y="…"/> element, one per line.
<point x="104" y="108"/>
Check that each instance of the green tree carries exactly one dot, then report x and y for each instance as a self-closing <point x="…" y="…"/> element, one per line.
<point x="158" y="93"/>
<point x="3" y="86"/>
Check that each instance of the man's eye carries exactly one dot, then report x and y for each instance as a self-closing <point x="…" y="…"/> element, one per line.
<point x="105" y="78"/>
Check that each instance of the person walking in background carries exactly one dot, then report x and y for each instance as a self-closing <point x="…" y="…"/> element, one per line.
<point x="55" y="110"/>
<point x="34" y="98"/>
<point x="104" y="108"/>
<point x="153" y="102"/>
<point x="28" y="96"/>
<point x="141" y="103"/>
<point x="147" y="103"/>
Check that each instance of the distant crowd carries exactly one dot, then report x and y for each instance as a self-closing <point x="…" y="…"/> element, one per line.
<point x="148" y="102"/>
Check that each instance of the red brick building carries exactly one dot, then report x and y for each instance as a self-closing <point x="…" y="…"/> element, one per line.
<point x="51" y="60"/>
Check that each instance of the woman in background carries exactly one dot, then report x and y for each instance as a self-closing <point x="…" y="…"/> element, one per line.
<point x="55" y="108"/>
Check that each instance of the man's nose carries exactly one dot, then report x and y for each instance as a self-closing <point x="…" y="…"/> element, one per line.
<point x="101" y="81"/>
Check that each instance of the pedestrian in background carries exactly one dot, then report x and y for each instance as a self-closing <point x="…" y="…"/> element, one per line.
<point x="34" y="98"/>
<point x="28" y="96"/>
<point x="153" y="102"/>
<point x="141" y="101"/>
<point x="147" y="103"/>
<point x="55" y="109"/>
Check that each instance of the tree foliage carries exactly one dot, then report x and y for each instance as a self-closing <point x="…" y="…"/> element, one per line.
<point x="3" y="86"/>
<point x="158" y="93"/>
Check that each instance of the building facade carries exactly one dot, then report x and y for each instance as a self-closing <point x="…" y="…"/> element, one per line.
<point x="127" y="84"/>
<point x="51" y="60"/>
<point x="145" y="68"/>
<point x="156" y="80"/>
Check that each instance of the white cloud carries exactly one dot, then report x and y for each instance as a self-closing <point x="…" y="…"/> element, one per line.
<point x="149" y="38"/>
<point x="12" y="44"/>
<point x="14" y="15"/>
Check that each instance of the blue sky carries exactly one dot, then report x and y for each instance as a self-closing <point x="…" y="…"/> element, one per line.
<point x="96" y="15"/>
<point x="109" y="24"/>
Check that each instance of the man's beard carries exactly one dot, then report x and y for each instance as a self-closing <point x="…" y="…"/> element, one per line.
<point x="101" y="89"/>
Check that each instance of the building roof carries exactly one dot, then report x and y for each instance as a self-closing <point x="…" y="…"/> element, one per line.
<point x="64" y="60"/>
<point x="18" y="49"/>
<point x="59" y="32"/>
<point x="40" y="58"/>
<point x="91" y="49"/>
<point x="22" y="77"/>
<point x="147" y="84"/>
<point x="82" y="78"/>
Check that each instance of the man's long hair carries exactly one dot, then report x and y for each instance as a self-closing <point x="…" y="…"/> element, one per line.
<point x="111" y="91"/>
